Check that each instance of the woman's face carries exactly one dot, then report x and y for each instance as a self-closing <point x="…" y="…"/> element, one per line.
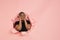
<point x="22" y="16"/>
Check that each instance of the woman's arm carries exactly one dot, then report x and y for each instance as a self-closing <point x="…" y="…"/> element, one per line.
<point x="18" y="27"/>
<point x="28" y="26"/>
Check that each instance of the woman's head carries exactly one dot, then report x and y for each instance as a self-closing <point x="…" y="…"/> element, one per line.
<point x="22" y="15"/>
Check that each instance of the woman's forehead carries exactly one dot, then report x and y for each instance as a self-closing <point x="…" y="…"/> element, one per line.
<point x="22" y="14"/>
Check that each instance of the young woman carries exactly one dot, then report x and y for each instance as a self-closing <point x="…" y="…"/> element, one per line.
<point x="22" y="24"/>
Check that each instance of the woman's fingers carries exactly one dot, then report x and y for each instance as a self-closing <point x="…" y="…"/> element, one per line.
<point x="17" y="27"/>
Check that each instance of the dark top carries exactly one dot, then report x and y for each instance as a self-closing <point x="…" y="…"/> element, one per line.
<point x="23" y="25"/>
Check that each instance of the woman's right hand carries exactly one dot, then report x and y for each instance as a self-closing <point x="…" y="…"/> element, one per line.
<point x="18" y="27"/>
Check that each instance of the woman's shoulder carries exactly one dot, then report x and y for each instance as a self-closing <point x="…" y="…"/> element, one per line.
<point x="28" y="21"/>
<point x="16" y="22"/>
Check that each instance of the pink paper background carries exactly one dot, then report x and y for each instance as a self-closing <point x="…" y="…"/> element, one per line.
<point x="46" y="14"/>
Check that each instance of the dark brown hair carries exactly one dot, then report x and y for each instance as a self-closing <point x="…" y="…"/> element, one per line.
<point x="21" y="13"/>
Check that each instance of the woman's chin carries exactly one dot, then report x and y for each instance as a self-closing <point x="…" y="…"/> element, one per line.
<point x="22" y="19"/>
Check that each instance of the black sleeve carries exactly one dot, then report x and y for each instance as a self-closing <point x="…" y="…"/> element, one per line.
<point x="28" y="22"/>
<point x="16" y="23"/>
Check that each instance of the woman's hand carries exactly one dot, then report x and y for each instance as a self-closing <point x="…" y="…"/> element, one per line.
<point x="17" y="27"/>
